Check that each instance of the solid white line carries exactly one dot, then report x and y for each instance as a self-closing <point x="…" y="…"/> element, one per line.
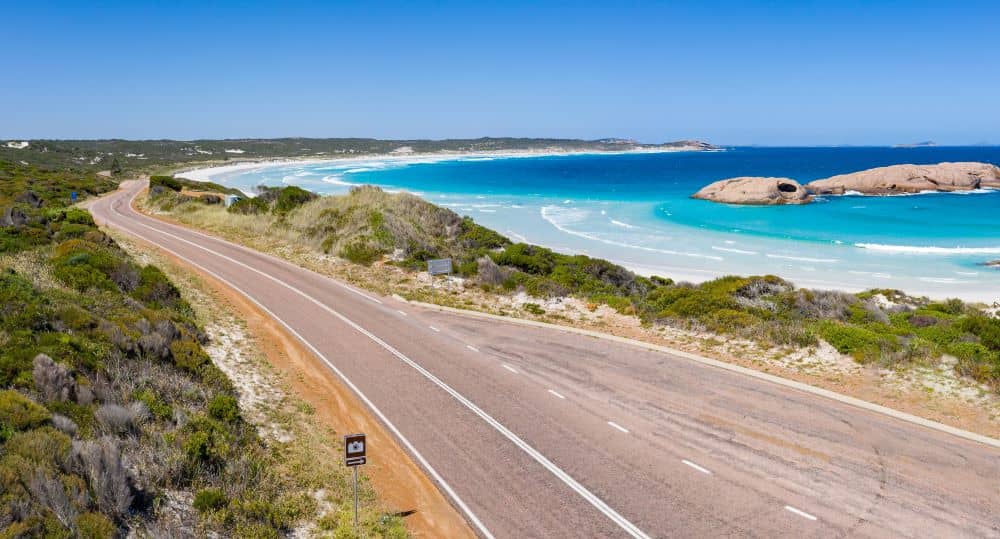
<point x="434" y="328"/>
<point x="473" y="348"/>
<point x="556" y="394"/>
<point x="400" y="312"/>
<point x="364" y="398"/>
<point x="617" y="426"/>
<point x="800" y="512"/>
<point x="509" y="368"/>
<point x="591" y="498"/>
<point x="696" y="467"/>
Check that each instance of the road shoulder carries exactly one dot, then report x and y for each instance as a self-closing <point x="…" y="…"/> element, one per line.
<point x="401" y="484"/>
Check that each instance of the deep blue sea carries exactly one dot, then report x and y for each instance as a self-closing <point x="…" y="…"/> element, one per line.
<point x="635" y="208"/>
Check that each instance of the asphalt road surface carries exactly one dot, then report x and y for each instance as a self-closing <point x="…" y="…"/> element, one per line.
<point x="536" y="432"/>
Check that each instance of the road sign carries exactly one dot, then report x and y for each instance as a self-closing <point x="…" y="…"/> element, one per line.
<point x="355" y="449"/>
<point x="440" y="266"/>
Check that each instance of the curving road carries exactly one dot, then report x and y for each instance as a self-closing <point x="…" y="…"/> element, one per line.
<point x="536" y="432"/>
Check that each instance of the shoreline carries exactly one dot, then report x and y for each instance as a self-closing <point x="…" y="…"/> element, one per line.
<point x="201" y="173"/>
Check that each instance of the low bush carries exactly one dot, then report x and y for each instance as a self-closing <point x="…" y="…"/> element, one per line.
<point x="224" y="408"/>
<point x="20" y="412"/>
<point x="209" y="499"/>
<point x="360" y="252"/>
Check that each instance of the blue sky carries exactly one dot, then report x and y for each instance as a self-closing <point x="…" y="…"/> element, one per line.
<point x="774" y="73"/>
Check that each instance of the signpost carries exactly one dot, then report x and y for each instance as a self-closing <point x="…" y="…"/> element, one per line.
<point x="440" y="266"/>
<point x="355" y="451"/>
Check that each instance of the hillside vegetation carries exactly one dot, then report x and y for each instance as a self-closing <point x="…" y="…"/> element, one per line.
<point x="368" y="225"/>
<point x="110" y="409"/>
<point x="148" y="155"/>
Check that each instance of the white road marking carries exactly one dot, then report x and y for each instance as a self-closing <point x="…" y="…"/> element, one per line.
<point x="696" y="467"/>
<point x="617" y="426"/>
<point x="509" y="368"/>
<point x="435" y="329"/>
<point x="400" y="312"/>
<point x="473" y="348"/>
<point x="590" y="497"/>
<point x="800" y="512"/>
<point x="556" y="394"/>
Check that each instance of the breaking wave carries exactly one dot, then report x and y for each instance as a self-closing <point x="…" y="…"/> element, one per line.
<point x="929" y="250"/>
<point x="560" y="217"/>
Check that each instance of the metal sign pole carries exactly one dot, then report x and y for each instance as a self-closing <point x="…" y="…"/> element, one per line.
<point x="357" y="530"/>
<point x="355" y="451"/>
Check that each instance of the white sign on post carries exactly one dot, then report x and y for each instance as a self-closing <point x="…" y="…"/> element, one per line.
<point x="440" y="266"/>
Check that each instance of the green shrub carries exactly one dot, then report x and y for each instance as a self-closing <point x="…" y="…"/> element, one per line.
<point x="361" y="252"/>
<point x="731" y="320"/>
<point x="528" y="258"/>
<point x="249" y="206"/>
<point x="292" y="197"/>
<point x="165" y="181"/>
<point x="188" y="355"/>
<point x="534" y="308"/>
<point x="224" y="408"/>
<point x="156" y="406"/>
<point x="209" y="499"/>
<point x="44" y="446"/>
<point x="156" y="290"/>
<point x="95" y="526"/>
<point x="20" y="412"/>
<point x="862" y="344"/>
<point x="985" y="328"/>
<point x="474" y="236"/>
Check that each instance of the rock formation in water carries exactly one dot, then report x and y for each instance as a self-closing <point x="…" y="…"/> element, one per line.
<point x="891" y="180"/>
<point x="755" y="190"/>
<point x="899" y="179"/>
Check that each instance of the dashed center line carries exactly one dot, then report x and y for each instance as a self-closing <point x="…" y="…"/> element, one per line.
<point x="473" y="348"/>
<point x="435" y="329"/>
<point x="800" y="512"/>
<point x="696" y="467"/>
<point x="509" y="368"/>
<point x="617" y="426"/>
<point x="400" y="312"/>
<point x="556" y="393"/>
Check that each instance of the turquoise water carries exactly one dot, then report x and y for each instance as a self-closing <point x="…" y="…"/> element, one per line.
<point x="636" y="209"/>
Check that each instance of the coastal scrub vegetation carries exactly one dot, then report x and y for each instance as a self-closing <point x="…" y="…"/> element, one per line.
<point x="883" y="327"/>
<point x="110" y="408"/>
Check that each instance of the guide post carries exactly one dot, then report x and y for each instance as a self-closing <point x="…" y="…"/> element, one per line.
<point x="438" y="266"/>
<point x="355" y="451"/>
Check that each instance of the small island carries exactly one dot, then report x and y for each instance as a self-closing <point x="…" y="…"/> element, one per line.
<point x="755" y="190"/>
<point x="890" y="180"/>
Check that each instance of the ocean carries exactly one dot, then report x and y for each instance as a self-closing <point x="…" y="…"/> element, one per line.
<point x="635" y="209"/>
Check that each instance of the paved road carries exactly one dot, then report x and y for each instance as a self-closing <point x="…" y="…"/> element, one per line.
<point x="542" y="433"/>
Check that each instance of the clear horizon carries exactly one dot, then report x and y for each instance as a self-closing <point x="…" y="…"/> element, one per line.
<point x="791" y="74"/>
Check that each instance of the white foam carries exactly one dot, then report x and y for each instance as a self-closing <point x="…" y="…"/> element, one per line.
<point x="517" y="236"/>
<point x="967" y="272"/>
<point x="803" y="258"/>
<point x="576" y="215"/>
<point x="337" y="180"/>
<point x="929" y="250"/>
<point x="730" y="250"/>
<point x="941" y="280"/>
<point x="622" y="224"/>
